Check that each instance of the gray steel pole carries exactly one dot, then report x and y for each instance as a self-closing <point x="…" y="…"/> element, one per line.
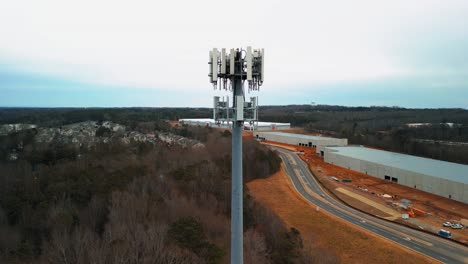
<point x="237" y="252"/>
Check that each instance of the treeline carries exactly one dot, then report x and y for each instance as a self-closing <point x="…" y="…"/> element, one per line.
<point x="54" y="117"/>
<point x="374" y="118"/>
<point x="136" y="203"/>
<point x="384" y="127"/>
<point x="403" y="140"/>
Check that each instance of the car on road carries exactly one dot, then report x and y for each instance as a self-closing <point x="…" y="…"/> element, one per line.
<point x="323" y="195"/>
<point x="447" y="224"/>
<point x="444" y="233"/>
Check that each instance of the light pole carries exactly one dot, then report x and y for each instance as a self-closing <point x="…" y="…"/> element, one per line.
<point x="232" y="71"/>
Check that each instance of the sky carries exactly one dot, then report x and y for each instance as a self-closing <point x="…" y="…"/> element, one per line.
<point x="56" y="53"/>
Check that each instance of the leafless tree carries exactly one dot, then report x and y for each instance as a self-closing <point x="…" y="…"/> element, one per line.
<point x="255" y="248"/>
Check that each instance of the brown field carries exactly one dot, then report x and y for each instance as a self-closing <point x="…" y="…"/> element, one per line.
<point x="439" y="209"/>
<point x="322" y="232"/>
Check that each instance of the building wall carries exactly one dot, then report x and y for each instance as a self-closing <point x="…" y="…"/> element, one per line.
<point x="271" y="127"/>
<point x="465" y="192"/>
<point x="196" y="123"/>
<point x="318" y="143"/>
<point x="443" y="187"/>
<point x="247" y="126"/>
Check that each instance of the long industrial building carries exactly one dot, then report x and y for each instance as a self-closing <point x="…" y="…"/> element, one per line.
<point x="257" y="125"/>
<point x="434" y="176"/>
<point x="301" y="140"/>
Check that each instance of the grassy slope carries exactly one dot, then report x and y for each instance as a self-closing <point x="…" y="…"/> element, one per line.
<point x="323" y="233"/>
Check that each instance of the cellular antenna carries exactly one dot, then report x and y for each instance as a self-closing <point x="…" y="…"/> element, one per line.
<point x="231" y="71"/>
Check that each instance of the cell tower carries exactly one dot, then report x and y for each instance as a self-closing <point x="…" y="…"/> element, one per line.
<point x="229" y="72"/>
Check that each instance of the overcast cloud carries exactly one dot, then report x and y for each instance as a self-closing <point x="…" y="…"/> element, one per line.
<point x="407" y="53"/>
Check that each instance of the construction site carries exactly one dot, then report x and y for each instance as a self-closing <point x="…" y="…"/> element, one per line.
<point x="443" y="178"/>
<point x="421" y="208"/>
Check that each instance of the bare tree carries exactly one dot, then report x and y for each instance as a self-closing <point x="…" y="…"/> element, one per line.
<point x="255" y="248"/>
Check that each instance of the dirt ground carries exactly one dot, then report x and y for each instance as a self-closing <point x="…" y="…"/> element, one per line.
<point x="437" y="209"/>
<point x="326" y="235"/>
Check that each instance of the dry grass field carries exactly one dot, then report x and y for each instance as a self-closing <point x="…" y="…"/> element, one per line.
<point x="322" y="232"/>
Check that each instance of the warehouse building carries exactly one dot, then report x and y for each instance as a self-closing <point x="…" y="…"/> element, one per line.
<point x="257" y="125"/>
<point x="434" y="176"/>
<point x="302" y="140"/>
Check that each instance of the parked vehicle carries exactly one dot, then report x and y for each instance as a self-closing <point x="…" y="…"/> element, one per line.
<point x="448" y="224"/>
<point x="445" y="233"/>
<point x="457" y="226"/>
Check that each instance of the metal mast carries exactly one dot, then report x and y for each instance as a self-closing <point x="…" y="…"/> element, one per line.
<point x="233" y="70"/>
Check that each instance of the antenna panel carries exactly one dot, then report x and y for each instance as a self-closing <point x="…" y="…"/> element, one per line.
<point x="255" y="103"/>
<point x="232" y="60"/>
<point x="227" y="107"/>
<point x="253" y="100"/>
<point x="223" y="61"/>
<point x="210" y="60"/>
<point x="239" y="107"/>
<point x="214" y="64"/>
<point x="262" y="65"/>
<point x="248" y="58"/>
<point x="216" y="101"/>
<point x="215" y="107"/>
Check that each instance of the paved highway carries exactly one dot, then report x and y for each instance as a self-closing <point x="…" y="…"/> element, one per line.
<point x="426" y="244"/>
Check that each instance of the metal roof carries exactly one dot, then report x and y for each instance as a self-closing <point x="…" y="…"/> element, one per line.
<point x="436" y="168"/>
<point x="291" y="135"/>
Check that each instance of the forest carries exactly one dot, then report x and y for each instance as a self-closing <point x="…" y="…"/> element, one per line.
<point x="121" y="201"/>
<point x="136" y="202"/>
<point x="442" y="133"/>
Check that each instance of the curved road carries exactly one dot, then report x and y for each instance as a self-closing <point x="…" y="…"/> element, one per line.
<point x="426" y="244"/>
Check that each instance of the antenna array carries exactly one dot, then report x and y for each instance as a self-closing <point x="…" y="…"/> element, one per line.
<point x="229" y="72"/>
<point x="224" y="70"/>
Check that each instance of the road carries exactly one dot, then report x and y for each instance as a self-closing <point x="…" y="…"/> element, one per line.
<point x="426" y="244"/>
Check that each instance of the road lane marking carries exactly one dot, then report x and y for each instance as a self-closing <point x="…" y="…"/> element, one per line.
<point x="391" y="230"/>
<point x="298" y="174"/>
<point x="292" y="160"/>
<point x="349" y="213"/>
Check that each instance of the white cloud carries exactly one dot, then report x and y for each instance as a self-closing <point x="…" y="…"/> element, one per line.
<point x="164" y="44"/>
